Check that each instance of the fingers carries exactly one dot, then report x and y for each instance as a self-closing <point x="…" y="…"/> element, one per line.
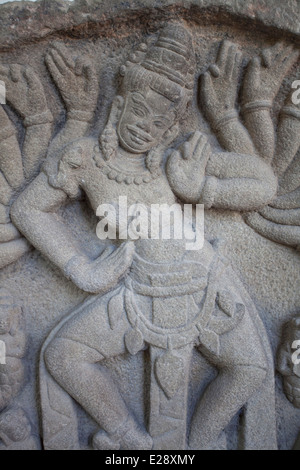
<point x="173" y="163"/>
<point x="31" y="77"/>
<point x="290" y="60"/>
<point x="230" y="62"/>
<point x="12" y="73"/>
<point x="254" y="70"/>
<point x="187" y="148"/>
<point x="223" y="53"/>
<point x="63" y="52"/>
<point x="214" y="70"/>
<point x="280" y="57"/>
<point x="54" y="70"/>
<point x="201" y="147"/>
<point x="59" y="62"/>
<point x="16" y="72"/>
<point x="206" y="81"/>
<point x="269" y="54"/>
<point x="237" y="65"/>
<point x="83" y="67"/>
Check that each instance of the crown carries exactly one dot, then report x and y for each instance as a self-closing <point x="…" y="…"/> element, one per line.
<point x="171" y="56"/>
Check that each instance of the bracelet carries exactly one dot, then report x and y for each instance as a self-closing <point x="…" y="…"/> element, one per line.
<point x="291" y="111"/>
<point x="77" y="115"/>
<point x="255" y="105"/>
<point x="38" y="119"/>
<point x="229" y="116"/>
<point x="7" y="132"/>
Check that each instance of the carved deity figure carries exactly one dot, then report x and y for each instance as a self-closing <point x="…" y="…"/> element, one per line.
<point x="153" y="293"/>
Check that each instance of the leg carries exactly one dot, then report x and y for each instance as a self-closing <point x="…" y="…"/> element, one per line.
<point x="74" y="360"/>
<point x="242" y="368"/>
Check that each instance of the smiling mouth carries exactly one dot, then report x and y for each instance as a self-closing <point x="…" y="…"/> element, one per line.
<point x="137" y="136"/>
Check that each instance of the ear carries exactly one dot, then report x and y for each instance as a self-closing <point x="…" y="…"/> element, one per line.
<point x="116" y="109"/>
<point x="170" y="135"/>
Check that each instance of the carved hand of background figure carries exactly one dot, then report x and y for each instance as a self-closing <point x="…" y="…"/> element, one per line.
<point x="186" y="167"/>
<point x="76" y="79"/>
<point x="280" y="221"/>
<point x="24" y="90"/>
<point x="265" y="74"/>
<point x="219" y="85"/>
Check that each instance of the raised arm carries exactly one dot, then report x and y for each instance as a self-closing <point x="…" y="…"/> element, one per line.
<point x="263" y="78"/>
<point x="34" y="213"/>
<point x="12" y="246"/>
<point x="78" y="85"/>
<point x="25" y="94"/>
<point x="221" y="180"/>
<point x="218" y="97"/>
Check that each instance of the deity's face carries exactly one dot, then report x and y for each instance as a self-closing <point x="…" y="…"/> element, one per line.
<point x="145" y="117"/>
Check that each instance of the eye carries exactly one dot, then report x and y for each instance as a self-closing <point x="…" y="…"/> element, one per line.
<point x="159" y="124"/>
<point x="138" y="112"/>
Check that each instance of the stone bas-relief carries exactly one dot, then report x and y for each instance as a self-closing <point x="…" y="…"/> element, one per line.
<point x="226" y="137"/>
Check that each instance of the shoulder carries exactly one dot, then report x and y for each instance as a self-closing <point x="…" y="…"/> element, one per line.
<point x="65" y="170"/>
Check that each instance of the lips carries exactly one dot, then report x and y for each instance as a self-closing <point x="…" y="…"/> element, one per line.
<point x="138" y="136"/>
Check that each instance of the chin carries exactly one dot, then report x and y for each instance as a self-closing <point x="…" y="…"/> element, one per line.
<point x="132" y="146"/>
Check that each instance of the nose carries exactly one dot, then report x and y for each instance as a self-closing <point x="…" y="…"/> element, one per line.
<point x="144" y="125"/>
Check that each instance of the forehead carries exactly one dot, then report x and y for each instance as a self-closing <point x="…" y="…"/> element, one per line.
<point x="154" y="101"/>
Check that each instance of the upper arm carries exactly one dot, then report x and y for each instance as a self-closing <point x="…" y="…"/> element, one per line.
<point x="225" y="165"/>
<point x="38" y="196"/>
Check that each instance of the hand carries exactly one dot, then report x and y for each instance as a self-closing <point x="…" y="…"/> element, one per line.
<point x="186" y="167"/>
<point x="264" y="74"/>
<point x="104" y="272"/>
<point x="219" y="85"/>
<point x="24" y="90"/>
<point x="76" y="79"/>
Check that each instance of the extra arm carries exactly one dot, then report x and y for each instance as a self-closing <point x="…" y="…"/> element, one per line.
<point x="263" y="78"/>
<point x="77" y="83"/>
<point x="238" y="182"/>
<point x="218" y="89"/>
<point x="34" y="213"/>
<point x="221" y="180"/>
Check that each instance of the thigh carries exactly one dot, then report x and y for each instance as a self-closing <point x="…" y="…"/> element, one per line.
<point x="90" y="325"/>
<point x="242" y="345"/>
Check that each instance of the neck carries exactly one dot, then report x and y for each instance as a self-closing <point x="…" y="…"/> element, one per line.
<point x="125" y="159"/>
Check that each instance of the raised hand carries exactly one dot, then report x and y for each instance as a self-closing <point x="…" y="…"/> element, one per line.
<point x="104" y="272"/>
<point x="186" y="167"/>
<point x="76" y="79"/>
<point x="219" y="85"/>
<point x="264" y="74"/>
<point x="24" y="91"/>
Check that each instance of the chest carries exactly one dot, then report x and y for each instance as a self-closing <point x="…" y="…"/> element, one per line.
<point x="101" y="188"/>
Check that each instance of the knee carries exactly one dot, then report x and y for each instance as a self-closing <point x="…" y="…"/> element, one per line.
<point x="249" y="377"/>
<point x="57" y="357"/>
<point x="63" y="355"/>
